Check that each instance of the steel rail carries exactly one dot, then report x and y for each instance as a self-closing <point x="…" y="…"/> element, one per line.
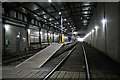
<point x="53" y="70"/>
<point x="86" y="64"/>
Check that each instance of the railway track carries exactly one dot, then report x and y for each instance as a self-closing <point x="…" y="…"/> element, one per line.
<point x="52" y="66"/>
<point x="60" y="60"/>
<point x="80" y="62"/>
<point x="16" y="59"/>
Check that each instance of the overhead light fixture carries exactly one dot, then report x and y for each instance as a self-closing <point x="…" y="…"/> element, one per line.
<point x="28" y="30"/>
<point x="65" y="29"/>
<point x="44" y="16"/>
<point x="81" y="17"/>
<point x="49" y="1"/>
<point x="88" y="17"/>
<point x="104" y="21"/>
<point x="75" y="32"/>
<point x="7" y="27"/>
<point x="50" y="19"/>
<point x="85" y="21"/>
<point x="86" y="12"/>
<point x="84" y="24"/>
<point x="96" y="27"/>
<point x="93" y="30"/>
<point x="41" y="32"/>
<point x="60" y="13"/>
<point x="49" y="34"/>
<point x="65" y="19"/>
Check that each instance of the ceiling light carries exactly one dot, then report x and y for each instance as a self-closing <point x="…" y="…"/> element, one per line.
<point x="85" y="24"/>
<point x="85" y="21"/>
<point x="104" y="21"/>
<point x="75" y="33"/>
<point x="93" y="30"/>
<point x="59" y="12"/>
<point x="65" y="19"/>
<point x="50" y="19"/>
<point x="28" y="30"/>
<point x="81" y="17"/>
<point x="65" y="29"/>
<point x="85" y="12"/>
<point x="7" y="27"/>
<point x="88" y="17"/>
<point x="41" y="32"/>
<point x="96" y="27"/>
<point x="44" y="16"/>
<point x="50" y="1"/>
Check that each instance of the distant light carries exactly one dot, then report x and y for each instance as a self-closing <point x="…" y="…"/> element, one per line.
<point x="104" y="21"/>
<point x="85" y="21"/>
<point x="65" y="19"/>
<point x="65" y="29"/>
<point x="88" y="17"/>
<point x="18" y="36"/>
<point x="50" y="19"/>
<point x="85" y="12"/>
<point x="45" y="33"/>
<point x="60" y="13"/>
<point x="80" y="39"/>
<point x="96" y="27"/>
<point x="84" y="24"/>
<point x="35" y="15"/>
<point x="50" y="1"/>
<point x="7" y="27"/>
<point x="70" y="26"/>
<point x="49" y="34"/>
<point x="44" y="16"/>
<point x="41" y="32"/>
<point x="28" y="30"/>
<point x="93" y="30"/>
<point x="68" y="23"/>
<point x="75" y="33"/>
<point x="81" y="17"/>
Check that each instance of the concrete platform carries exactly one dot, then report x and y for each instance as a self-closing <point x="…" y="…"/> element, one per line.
<point x="41" y="57"/>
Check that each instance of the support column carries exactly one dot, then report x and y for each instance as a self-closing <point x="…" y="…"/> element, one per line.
<point x="27" y="36"/>
<point x="40" y="36"/>
<point x="104" y="24"/>
<point x="3" y="38"/>
<point x="47" y="37"/>
<point x="53" y="36"/>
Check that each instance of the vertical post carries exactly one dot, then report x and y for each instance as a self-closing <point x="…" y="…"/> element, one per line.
<point x="40" y="36"/>
<point x="61" y="24"/>
<point x="47" y="37"/>
<point x="27" y="37"/>
<point x="28" y="32"/>
<point x="91" y="37"/>
<point x="3" y="38"/>
<point x="53" y="36"/>
<point x="105" y="29"/>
